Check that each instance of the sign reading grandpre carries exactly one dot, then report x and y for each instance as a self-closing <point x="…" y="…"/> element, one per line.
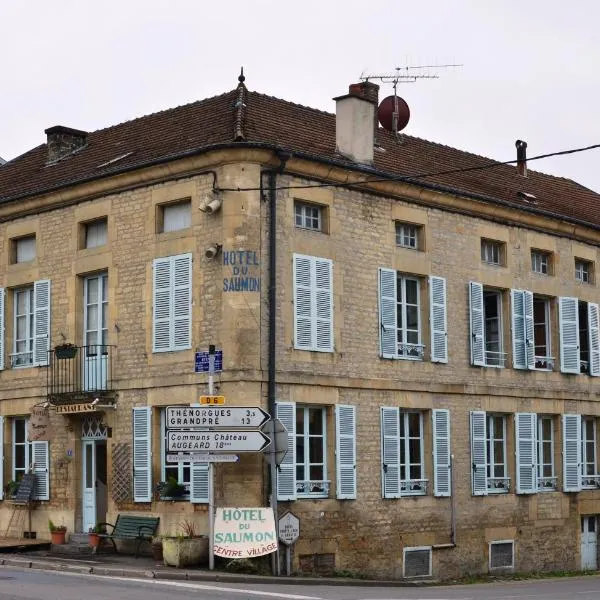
<point x="191" y="417"/>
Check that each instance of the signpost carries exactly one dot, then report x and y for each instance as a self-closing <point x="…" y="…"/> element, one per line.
<point x="288" y="528"/>
<point x="201" y="458"/>
<point x="216" y="441"/>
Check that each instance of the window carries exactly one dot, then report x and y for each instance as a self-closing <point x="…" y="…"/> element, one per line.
<point x="95" y="233"/>
<point x="30" y="457"/>
<point x="308" y="216"/>
<point x="491" y="252"/>
<point x="304" y="471"/>
<point x="311" y="452"/>
<point x="179" y="471"/>
<point x="546" y="480"/>
<point x="488" y="454"/>
<point x="172" y="303"/>
<point x="589" y="459"/>
<point x="540" y="262"/>
<point x="502" y="555"/>
<point x="417" y="562"/>
<point x="487" y="343"/>
<point x="174" y="216"/>
<point x="22" y="355"/>
<point x="412" y="470"/>
<point x="22" y="454"/>
<point x="579" y="336"/>
<point x="24" y="249"/>
<point x="409" y="318"/>
<point x="583" y="270"/>
<point x="541" y="334"/>
<point x="313" y="303"/>
<point x="407" y="235"/>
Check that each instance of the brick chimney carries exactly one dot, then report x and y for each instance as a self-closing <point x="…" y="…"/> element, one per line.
<point x="521" y="157"/>
<point x="356" y="122"/>
<point x="62" y="141"/>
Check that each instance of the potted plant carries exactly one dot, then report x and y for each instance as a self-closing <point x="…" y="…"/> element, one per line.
<point x="170" y="489"/>
<point x="94" y="534"/>
<point x="65" y="351"/>
<point x="11" y="489"/>
<point x="186" y="549"/>
<point x="57" y="532"/>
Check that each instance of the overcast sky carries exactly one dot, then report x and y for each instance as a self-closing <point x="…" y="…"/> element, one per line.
<point x="531" y="67"/>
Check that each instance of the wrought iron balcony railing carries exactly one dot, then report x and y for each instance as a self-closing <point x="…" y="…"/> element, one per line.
<point x="78" y="372"/>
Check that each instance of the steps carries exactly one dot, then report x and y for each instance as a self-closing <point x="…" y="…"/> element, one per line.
<point x="77" y="545"/>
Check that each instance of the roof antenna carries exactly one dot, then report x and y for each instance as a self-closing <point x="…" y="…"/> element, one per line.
<point x="393" y="112"/>
<point x="241" y="78"/>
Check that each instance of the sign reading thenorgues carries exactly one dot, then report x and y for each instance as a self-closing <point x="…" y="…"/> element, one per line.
<point x="216" y="441"/>
<point x="244" y="532"/>
<point x="185" y="417"/>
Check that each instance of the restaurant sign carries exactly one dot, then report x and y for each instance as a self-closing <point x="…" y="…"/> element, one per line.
<point x="38" y="425"/>
<point x="244" y="532"/>
<point x="65" y="409"/>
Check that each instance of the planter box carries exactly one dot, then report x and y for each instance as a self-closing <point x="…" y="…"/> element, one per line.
<point x="185" y="552"/>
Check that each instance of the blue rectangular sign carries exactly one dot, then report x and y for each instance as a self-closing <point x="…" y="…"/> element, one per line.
<point x="201" y="365"/>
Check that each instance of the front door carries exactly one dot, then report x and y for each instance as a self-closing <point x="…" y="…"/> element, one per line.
<point x="95" y="332"/>
<point x="89" y="484"/>
<point x="589" y="543"/>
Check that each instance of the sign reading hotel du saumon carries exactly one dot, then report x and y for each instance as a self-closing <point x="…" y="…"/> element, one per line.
<point x="244" y="532"/>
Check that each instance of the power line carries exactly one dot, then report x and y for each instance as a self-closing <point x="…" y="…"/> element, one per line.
<point x="409" y="178"/>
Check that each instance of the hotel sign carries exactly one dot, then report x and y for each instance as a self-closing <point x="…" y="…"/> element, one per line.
<point x="65" y="409"/>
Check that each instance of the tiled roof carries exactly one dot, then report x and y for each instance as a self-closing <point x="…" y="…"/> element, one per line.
<point x="266" y="120"/>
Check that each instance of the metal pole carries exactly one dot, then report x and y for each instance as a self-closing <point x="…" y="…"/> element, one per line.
<point x="452" y="502"/>
<point x="211" y="489"/>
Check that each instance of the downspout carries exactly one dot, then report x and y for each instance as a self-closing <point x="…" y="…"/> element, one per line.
<point x="452" y="543"/>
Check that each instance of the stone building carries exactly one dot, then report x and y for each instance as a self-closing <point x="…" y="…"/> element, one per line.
<point x="423" y="320"/>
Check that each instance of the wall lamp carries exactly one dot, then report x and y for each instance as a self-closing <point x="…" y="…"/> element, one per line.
<point x="212" y="251"/>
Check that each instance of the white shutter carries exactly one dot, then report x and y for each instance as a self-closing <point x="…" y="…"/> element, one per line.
<point x="182" y="302"/>
<point x="476" y="323"/>
<point x="345" y="430"/>
<point x="525" y="428"/>
<point x="303" y="337"/>
<point x="568" y="324"/>
<point x="323" y="304"/>
<point x="438" y="319"/>
<point x="199" y="483"/>
<point x="390" y="452"/>
<point x="594" y="339"/>
<point x="286" y="471"/>
<point x="571" y="453"/>
<point x="478" y="453"/>
<point x="442" y="484"/>
<point x="161" y="304"/>
<point x="388" y="313"/>
<point x="519" y="347"/>
<point x="142" y="454"/>
<point x="529" y="333"/>
<point x="41" y="321"/>
<point x="1" y="458"/>
<point x="41" y="485"/>
<point x="1" y="329"/>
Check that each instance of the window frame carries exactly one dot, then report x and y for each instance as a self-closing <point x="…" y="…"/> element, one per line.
<point x="301" y="208"/>
<point x="28" y="449"/>
<point x="589" y="480"/>
<point x="86" y="233"/>
<point x="541" y="262"/>
<point x="306" y="463"/>
<point x="15" y="244"/>
<point x="496" y="484"/>
<point x="499" y="318"/>
<point x="488" y="248"/>
<point x="29" y="320"/>
<point x="420" y="484"/>
<point x="404" y="347"/>
<point x="545" y="482"/>
<point x="497" y="543"/>
<point x="546" y="363"/>
<point x="585" y="268"/>
<point x="179" y="466"/>
<point x="403" y="233"/>
<point x="161" y="215"/>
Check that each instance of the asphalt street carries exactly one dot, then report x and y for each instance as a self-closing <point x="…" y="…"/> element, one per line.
<point x="32" y="584"/>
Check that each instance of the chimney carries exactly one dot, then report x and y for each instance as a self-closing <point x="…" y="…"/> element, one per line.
<point x="356" y="122"/>
<point x="63" y="141"/>
<point x="521" y="157"/>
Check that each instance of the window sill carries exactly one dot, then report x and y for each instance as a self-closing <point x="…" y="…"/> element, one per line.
<point x="312" y="496"/>
<point x="174" y="499"/>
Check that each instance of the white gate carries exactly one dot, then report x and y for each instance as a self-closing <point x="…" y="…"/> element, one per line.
<point x="589" y="543"/>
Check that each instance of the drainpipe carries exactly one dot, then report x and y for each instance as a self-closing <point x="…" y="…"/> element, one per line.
<point x="452" y="543"/>
<point x="283" y="158"/>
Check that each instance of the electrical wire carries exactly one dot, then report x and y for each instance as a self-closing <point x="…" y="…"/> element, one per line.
<point x="409" y="178"/>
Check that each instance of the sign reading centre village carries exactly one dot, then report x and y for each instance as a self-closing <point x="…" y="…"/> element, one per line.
<point x="244" y="532"/>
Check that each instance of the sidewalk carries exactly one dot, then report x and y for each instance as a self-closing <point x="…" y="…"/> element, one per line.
<point x="120" y="565"/>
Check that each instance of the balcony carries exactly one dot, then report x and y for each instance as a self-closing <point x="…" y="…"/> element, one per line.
<point x="80" y="373"/>
<point x="413" y="487"/>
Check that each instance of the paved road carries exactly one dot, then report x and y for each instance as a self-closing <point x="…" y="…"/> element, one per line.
<point x="41" y="585"/>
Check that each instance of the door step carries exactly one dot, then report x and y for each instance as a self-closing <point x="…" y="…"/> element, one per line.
<point x="78" y="544"/>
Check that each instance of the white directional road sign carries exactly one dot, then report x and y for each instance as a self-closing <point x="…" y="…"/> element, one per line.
<point x="192" y="417"/>
<point x="201" y="458"/>
<point x="216" y="441"/>
<point x="289" y="528"/>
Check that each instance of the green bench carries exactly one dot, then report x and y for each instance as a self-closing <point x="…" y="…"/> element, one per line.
<point x="130" y="527"/>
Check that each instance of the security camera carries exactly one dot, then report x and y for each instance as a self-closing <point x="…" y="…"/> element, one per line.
<point x="212" y="250"/>
<point x="211" y="206"/>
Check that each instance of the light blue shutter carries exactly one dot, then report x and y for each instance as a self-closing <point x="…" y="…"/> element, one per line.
<point x="442" y="484"/>
<point x="323" y="304"/>
<point x="41" y="322"/>
<point x="571" y="453"/>
<point x="199" y="483"/>
<point x="303" y="337"/>
<point x="142" y="454"/>
<point x="161" y="305"/>
<point x="182" y="302"/>
<point x="529" y="334"/>
<point x="390" y="452"/>
<point x="1" y="329"/>
<point x="519" y="347"/>
<point x="478" y="453"/>
<point x="286" y="471"/>
<point x="41" y="486"/>
<point x="476" y="324"/>
<point x="345" y="429"/>
<point x="1" y="458"/>
<point x="525" y="428"/>
<point x="568" y="324"/>
<point x="594" y="339"/>
<point x="388" y="313"/>
<point x="439" y="327"/>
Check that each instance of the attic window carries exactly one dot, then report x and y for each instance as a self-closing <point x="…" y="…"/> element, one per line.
<point x="112" y="161"/>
